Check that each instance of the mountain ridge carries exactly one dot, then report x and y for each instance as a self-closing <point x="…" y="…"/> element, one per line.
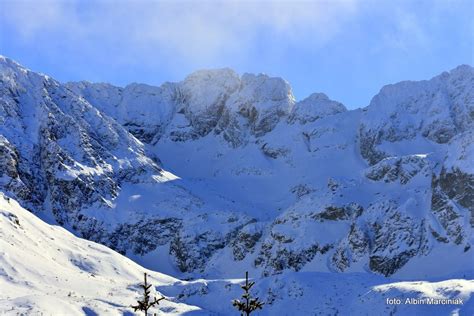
<point x="224" y="168"/>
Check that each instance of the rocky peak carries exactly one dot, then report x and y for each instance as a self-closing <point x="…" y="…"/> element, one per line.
<point x="436" y="110"/>
<point x="260" y="103"/>
<point x="204" y="94"/>
<point x="314" y="107"/>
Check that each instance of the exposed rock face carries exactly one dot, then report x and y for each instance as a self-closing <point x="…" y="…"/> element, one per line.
<point x="245" y="241"/>
<point x="63" y="144"/>
<point x="260" y="179"/>
<point x="446" y="213"/>
<point x="10" y="173"/>
<point x="335" y="213"/>
<point x="204" y="95"/>
<point x="401" y="169"/>
<point x="143" y="236"/>
<point x="128" y="105"/>
<point x="263" y="101"/>
<point x="388" y="238"/>
<point x="352" y="249"/>
<point x="457" y="177"/>
<point x="397" y="238"/>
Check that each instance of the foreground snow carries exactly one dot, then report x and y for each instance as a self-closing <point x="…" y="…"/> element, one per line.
<point x="313" y="293"/>
<point x="46" y="270"/>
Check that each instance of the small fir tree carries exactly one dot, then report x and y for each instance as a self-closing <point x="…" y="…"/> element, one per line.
<point x="248" y="304"/>
<point x="146" y="302"/>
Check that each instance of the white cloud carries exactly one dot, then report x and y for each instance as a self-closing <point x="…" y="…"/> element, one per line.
<point x="193" y="30"/>
<point x="30" y="17"/>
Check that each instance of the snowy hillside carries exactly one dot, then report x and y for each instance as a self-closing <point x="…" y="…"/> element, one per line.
<point x="225" y="170"/>
<point x="46" y="270"/>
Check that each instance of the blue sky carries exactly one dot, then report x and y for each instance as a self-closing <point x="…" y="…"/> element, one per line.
<point x="346" y="49"/>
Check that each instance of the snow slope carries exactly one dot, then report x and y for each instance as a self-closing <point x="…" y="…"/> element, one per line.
<point x="45" y="270"/>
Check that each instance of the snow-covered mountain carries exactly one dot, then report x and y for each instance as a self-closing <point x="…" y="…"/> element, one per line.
<point x="45" y="270"/>
<point x="319" y="180"/>
<point x="222" y="170"/>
